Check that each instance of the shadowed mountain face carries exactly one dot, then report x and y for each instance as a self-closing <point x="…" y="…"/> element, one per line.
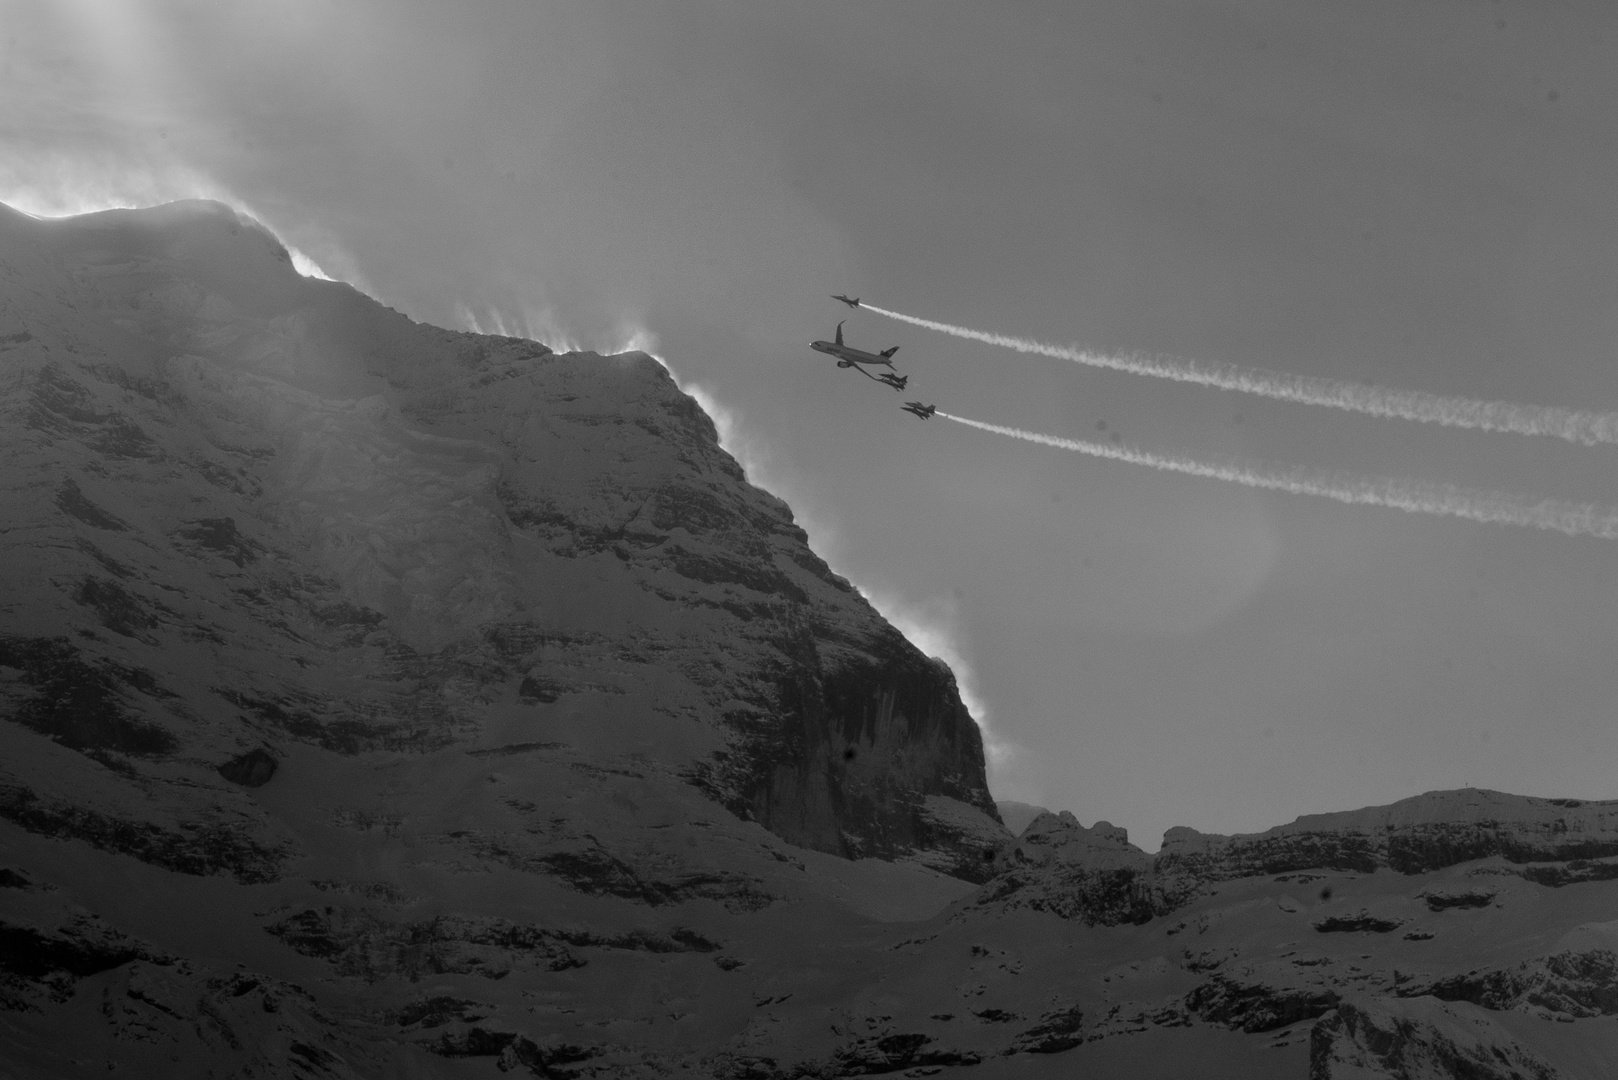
<point x="378" y="700"/>
<point x="249" y="510"/>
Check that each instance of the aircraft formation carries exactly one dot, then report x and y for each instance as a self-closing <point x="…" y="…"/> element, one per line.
<point x="1574" y="425"/>
<point x="858" y="359"/>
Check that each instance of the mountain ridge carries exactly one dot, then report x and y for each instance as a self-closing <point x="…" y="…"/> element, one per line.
<point x="407" y="465"/>
<point x="384" y="700"/>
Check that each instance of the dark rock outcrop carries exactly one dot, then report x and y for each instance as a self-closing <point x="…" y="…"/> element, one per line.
<point x="1255" y="1001"/>
<point x="41" y="964"/>
<point x="84" y="706"/>
<point x="185" y="846"/>
<point x="1447" y="899"/>
<point x="903" y="1050"/>
<point x="366" y="944"/>
<point x="1059" y="1029"/>
<point x="1362" y="922"/>
<point x="1572" y="872"/>
<point x="1094" y="875"/>
<point x="168" y="1020"/>
<point x="1371" y="1038"/>
<point x="1578" y="980"/>
<point x="252" y="769"/>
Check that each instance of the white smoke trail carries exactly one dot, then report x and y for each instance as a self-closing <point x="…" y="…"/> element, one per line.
<point x="1574" y="519"/>
<point x="1589" y="428"/>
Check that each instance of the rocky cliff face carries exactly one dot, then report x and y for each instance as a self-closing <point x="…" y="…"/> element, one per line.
<point x="248" y="510"/>
<point x="381" y="701"/>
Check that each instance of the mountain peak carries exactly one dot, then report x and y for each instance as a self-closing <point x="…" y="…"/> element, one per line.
<point x="326" y="506"/>
<point x="380" y="698"/>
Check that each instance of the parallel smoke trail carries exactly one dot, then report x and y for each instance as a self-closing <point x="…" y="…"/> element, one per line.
<point x="1580" y="427"/>
<point x="1574" y="519"/>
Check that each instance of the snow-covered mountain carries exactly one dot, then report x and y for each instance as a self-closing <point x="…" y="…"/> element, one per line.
<point x="251" y="510"/>
<point x="380" y="700"/>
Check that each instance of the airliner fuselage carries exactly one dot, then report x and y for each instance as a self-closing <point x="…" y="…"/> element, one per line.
<point x="848" y="356"/>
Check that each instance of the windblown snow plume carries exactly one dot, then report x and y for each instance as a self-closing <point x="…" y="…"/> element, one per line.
<point x="1574" y="519"/>
<point x="535" y="323"/>
<point x="1588" y="428"/>
<point x="62" y="185"/>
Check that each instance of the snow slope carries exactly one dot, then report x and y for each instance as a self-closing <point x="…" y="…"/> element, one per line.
<point x="384" y="701"/>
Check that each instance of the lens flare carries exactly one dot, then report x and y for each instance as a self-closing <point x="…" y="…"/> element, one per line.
<point x="1574" y="519"/>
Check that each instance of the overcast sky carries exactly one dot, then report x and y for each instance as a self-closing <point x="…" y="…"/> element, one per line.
<point x="1419" y="195"/>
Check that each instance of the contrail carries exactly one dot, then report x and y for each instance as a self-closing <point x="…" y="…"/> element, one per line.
<point x="1574" y="519"/>
<point x="1589" y="428"/>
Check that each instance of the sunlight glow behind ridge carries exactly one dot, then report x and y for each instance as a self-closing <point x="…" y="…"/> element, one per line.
<point x="55" y="186"/>
<point x="930" y="627"/>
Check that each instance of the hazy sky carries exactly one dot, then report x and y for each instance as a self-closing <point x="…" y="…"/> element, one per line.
<point x="1420" y="195"/>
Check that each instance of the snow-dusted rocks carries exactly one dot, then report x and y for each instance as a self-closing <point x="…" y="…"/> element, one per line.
<point x="377" y="700"/>
<point x="247" y="508"/>
<point x="1427" y="832"/>
<point x="1096" y="875"/>
<point x="374" y="653"/>
<point x="1576" y="979"/>
<point x="1418" y="1040"/>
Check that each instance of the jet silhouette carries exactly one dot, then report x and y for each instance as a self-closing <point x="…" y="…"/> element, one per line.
<point x="847" y="356"/>
<point x="851" y="303"/>
<point x="923" y="411"/>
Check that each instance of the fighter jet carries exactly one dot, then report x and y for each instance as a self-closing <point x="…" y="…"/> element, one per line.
<point x="923" y="411"/>
<point x="895" y="381"/>
<point x="849" y="357"/>
<point x="851" y="303"/>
